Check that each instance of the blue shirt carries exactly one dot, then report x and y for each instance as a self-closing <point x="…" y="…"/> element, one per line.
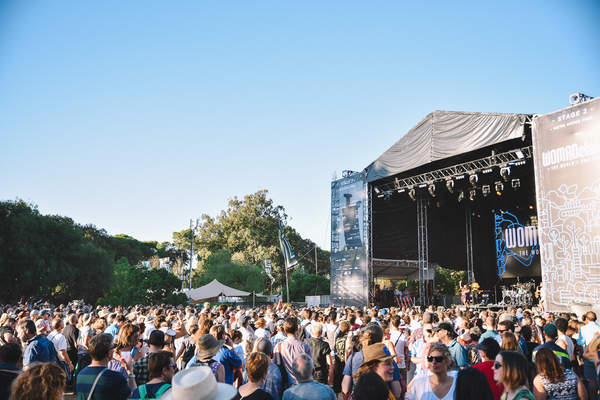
<point x="230" y="361"/>
<point x="459" y="354"/>
<point x="39" y="349"/>
<point x="309" y="391"/>
<point x="113" y="330"/>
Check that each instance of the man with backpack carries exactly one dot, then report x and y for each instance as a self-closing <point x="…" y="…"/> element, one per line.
<point x="161" y="368"/>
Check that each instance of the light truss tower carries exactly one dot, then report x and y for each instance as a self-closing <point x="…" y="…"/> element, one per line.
<point x="468" y="215"/>
<point x="423" y="238"/>
<point x="369" y="248"/>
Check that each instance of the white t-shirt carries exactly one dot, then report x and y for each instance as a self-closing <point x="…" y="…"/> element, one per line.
<point x="422" y="388"/>
<point x="400" y="341"/>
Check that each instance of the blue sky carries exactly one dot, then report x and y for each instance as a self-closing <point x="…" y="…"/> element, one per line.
<point x="137" y="116"/>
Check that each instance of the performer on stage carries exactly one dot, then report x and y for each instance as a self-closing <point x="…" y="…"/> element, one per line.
<point x="539" y="292"/>
<point x="476" y="291"/>
<point x="398" y="295"/>
<point x="465" y="294"/>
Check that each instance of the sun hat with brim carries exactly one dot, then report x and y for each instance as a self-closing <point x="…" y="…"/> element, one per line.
<point x="86" y="319"/>
<point x="377" y="351"/>
<point x="198" y="383"/>
<point x="209" y="346"/>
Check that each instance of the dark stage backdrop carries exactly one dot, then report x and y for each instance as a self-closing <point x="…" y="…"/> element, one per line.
<point x="567" y="167"/>
<point x="517" y="247"/>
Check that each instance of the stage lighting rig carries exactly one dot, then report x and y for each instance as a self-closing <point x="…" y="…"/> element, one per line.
<point x="450" y="185"/>
<point x="461" y="196"/>
<point x="505" y="173"/>
<point x="485" y="190"/>
<point x="516" y="183"/>
<point x="499" y="186"/>
<point x="577" y="98"/>
<point x="472" y="194"/>
<point x="412" y="194"/>
<point x="431" y="189"/>
<point x="473" y="179"/>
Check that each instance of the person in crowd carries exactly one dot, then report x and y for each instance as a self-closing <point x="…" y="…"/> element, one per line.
<point x="162" y="368"/>
<point x="38" y="348"/>
<point x="509" y="342"/>
<point x="274" y="381"/>
<point x="445" y="333"/>
<point x="227" y="356"/>
<point x="156" y="342"/>
<point x="71" y="334"/>
<point x="7" y="330"/>
<point x="261" y="330"/>
<point x="117" y="322"/>
<point x="488" y="350"/>
<point x="208" y="346"/>
<point x="247" y="336"/>
<point x="554" y="383"/>
<point x="511" y="370"/>
<point x="321" y="353"/>
<point x="378" y="359"/>
<point x="287" y="351"/>
<point x="257" y="367"/>
<point x="127" y="342"/>
<point x="563" y="340"/>
<point x="85" y="334"/>
<point x="550" y="334"/>
<point x="10" y="356"/>
<point x="306" y="388"/>
<point x="440" y="384"/>
<point x="370" y="386"/>
<point x="472" y="384"/>
<point x="41" y="381"/>
<point x="399" y="341"/>
<point x="97" y="381"/>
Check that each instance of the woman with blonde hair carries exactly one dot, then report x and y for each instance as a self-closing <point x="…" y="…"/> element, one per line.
<point x="43" y="381"/>
<point x="127" y="343"/>
<point x="441" y="384"/>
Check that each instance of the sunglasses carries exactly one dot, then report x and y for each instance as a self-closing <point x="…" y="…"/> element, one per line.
<point x="428" y="330"/>
<point x="438" y="359"/>
<point x="497" y="365"/>
<point x="502" y="331"/>
<point x="172" y="365"/>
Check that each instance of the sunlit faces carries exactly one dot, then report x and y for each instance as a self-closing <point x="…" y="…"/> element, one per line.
<point x="385" y="369"/>
<point x="498" y="368"/>
<point x="437" y="362"/>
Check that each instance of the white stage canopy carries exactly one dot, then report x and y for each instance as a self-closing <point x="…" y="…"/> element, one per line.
<point x="214" y="289"/>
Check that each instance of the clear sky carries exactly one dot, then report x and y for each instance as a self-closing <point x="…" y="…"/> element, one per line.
<point x="137" y="116"/>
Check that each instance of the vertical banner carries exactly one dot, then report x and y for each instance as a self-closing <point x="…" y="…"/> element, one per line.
<point x="286" y="249"/>
<point x="268" y="270"/>
<point x="566" y="146"/>
<point x="349" y="277"/>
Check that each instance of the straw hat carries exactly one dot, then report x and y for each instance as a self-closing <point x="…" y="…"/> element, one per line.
<point x="376" y="351"/>
<point x="198" y="383"/>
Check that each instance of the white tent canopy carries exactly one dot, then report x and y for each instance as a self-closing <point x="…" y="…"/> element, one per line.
<point x="214" y="289"/>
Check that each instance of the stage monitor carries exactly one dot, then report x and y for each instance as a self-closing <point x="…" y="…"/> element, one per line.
<point x="566" y="146"/>
<point x="517" y="247"/>
<point x="349" y="276"/>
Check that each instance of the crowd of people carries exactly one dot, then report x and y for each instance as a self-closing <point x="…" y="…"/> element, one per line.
<point x="285" y="353"/>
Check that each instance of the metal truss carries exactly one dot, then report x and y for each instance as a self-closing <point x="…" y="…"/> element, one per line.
<point x="423" y="239"/>
<point x="469" y="230"/>
<point x="370" y="279"/>
<point x="509" y="158"/>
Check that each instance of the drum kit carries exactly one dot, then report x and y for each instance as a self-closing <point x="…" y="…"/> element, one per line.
<point x="519" y="294"/>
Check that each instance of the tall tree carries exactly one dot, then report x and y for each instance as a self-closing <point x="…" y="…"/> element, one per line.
<point x="231" y="270"/>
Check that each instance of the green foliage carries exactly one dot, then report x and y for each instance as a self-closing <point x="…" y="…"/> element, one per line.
<point x="304" y="250"/>
<point x="48" y="257"/>
<point x="231" y="270"/>
<point x="447" y="280"/>
<point x="302" y="285"/>
<point x="140" y="285"/>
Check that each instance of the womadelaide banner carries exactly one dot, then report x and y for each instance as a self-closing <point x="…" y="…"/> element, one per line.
<point x="566" y="146"/>
<point x="349" y="277"/>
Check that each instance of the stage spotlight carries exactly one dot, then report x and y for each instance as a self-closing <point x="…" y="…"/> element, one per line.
<point x="516" y="183"/>
<point x="519" y="154"/>
<point x="505" y="173"/>
<point x="473" y="179"/>
<point x="450" y="185"/>
<point x="431" y="189"/>
<point x="461" y="196"/>
<point x="472" y="194"/>
<point x="377" y="190"/>
<point x="499" y="188"/>
<point x="412" y="194"/>
<point x="485" y="190"/>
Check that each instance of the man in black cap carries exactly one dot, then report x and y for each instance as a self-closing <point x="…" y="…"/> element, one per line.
<point x="445" y="332"/>
<point x="156" y="342"/>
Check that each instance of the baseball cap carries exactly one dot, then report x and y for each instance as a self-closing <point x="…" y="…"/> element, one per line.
<point x="444" y="326"/>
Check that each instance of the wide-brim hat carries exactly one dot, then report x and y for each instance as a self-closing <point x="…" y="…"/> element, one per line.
<point x="86" y="319"/>
<point x="377" y="351"/>
<point x="198" y="383"/>
<point x="157" y="338"/>
<point x="209" y="346"/>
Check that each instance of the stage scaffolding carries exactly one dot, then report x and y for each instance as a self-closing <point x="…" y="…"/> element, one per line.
<point x="423" y="239"/>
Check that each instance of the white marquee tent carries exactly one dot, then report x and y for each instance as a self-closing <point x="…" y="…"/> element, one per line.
<point x="214" y="289"/>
